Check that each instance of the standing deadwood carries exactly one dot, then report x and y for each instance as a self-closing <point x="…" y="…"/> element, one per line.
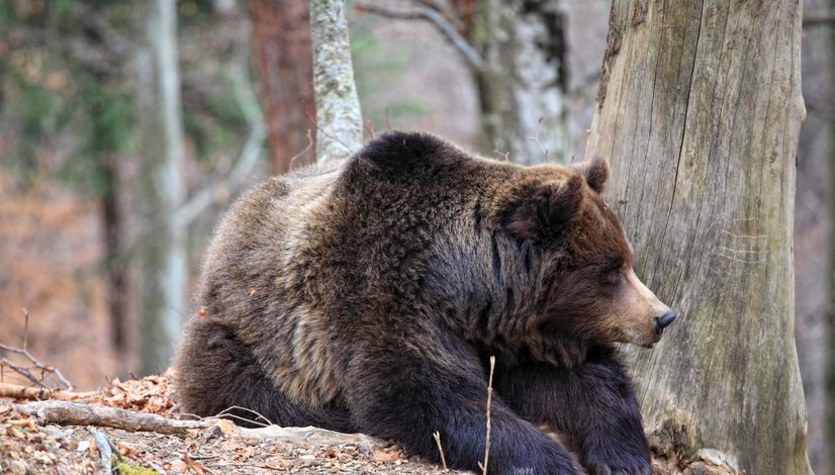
<point x="699" y="110"/>
<point x="162" y="253"/>
<point x="524" y="81"/>
<point x="284" y="58"/>
<point x="338" y="116"/>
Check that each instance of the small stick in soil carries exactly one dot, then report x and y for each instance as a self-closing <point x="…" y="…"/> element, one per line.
<point x="37" y="364"/>
<point x="489" y="399"/>
<point x="437" y="436"/>
<point x="260" y="420"/>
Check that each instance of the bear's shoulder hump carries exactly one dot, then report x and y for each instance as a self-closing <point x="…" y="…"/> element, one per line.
<point x="397" y="151"/>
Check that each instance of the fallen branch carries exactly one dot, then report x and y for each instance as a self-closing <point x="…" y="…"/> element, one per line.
<point x="81" y="414"/>
<point x="312" y="435"/>
<point x="17" y="391"/>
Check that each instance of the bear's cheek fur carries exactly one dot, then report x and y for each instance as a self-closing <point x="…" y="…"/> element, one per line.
<point x="582" y="305"/>
<point x="630" y="316"/>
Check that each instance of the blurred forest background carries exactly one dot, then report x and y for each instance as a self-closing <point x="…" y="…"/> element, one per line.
<point x="87" y="125"/>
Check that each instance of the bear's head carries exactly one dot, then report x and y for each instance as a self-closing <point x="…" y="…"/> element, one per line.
<point x="588" y="290"/>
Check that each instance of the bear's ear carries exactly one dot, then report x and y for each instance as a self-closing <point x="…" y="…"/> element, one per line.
<point x="595" y="171"/>
<point x="544" y="209"/>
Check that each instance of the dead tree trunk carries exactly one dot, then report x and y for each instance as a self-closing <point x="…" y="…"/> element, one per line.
<point x="284" y="60"/>
<point x="523" y="82"/>
<point x="699" y="112"/>
<point x="338" y="116"/>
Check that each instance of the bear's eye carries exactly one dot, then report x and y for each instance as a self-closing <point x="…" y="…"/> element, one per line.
<point x="613" y="276"/>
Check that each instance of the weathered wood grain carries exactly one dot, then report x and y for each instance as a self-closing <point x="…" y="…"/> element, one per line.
<point x="699" y="112"/>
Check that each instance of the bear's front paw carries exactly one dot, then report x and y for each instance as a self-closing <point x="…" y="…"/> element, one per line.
<point x="641" y="467"/>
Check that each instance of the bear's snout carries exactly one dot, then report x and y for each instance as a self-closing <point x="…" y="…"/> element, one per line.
<point x="664" y="321"/>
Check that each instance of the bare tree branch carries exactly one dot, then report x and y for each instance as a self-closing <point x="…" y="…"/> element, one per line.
<point x="74" y="413"/>
<point x="26" y="372"/>
<point x="470" y="54"/>
<point x="819" y="19"/>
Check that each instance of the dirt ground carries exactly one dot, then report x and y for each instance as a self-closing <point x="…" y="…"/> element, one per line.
<point x="30" y="445"/>
<point x="101" y="435"/>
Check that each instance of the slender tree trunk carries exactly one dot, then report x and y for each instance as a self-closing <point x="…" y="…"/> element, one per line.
<point x="829" y="458"/>
<point x="338" y="116"/>
<point x="700" y="111"/>
<point x="163" y="270"/>
<point x="523" y="85"/>
<point x="115" y="276"/>
<point x="830" y="367"/>
<point x="284" y="58"/>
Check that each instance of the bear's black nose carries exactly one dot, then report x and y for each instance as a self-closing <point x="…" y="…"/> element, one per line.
<point x="664" y="321"/>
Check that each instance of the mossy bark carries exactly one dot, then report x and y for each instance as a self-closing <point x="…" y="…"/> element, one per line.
<point x="699" y="112"/>
<point x="523" y="83"/>
<point x="338" y="116"/>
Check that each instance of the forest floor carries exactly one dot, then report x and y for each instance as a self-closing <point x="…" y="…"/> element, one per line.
<point x="31" y="443"/>
<point x="135" y="428"/>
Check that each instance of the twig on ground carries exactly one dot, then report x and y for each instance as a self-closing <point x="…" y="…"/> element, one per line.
<point x="312" y="435"/>
<point x="437" y="436"/>
<point x="489" y="399"/>
<point x="105" y="451"/>
<point x="16" y="391"/>
<point x="470" y="54"/>
<point x="83" y="414"/>
<point x="259" y="420"/>
<point x="34" y="361"/>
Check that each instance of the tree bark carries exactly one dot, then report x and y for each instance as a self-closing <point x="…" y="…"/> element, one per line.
<point x="523" y="84"/>
<point x="284" y="59"/>
<point x="163" y="270"/>
<point x="699" y="112"/>
<point x="115" y="275"/>
<point x="338" y="116"/>
<point x="829" y="430"/>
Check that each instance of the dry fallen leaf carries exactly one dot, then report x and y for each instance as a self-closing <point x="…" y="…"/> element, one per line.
<point x="381" y="456"/>
<point x="226" y="427"/>
<point x="194" y="466"/>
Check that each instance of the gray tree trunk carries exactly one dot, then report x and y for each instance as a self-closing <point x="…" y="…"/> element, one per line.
<point x="163" y="269"/>
<point x="829" y="434"/>
<point x="524" y="80"/>
<point x="699" y="112"/>
<point x="338" y="116"/>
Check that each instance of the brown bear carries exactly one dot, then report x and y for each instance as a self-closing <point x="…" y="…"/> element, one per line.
<point x="367" y="296"/>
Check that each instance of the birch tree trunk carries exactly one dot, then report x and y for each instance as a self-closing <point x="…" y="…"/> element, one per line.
<point x="524" y="79"/>
<point x="699" y="111"/>
<point x="338" y="116"/>
<point x="163" y="270"/>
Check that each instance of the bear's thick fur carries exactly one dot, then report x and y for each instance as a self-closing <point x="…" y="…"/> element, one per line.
<point x="367" y="296"/>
